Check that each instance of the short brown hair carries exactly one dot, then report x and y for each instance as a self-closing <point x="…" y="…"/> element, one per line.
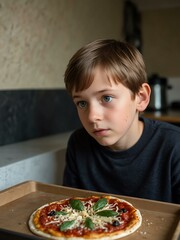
<point x="122" y="61"/>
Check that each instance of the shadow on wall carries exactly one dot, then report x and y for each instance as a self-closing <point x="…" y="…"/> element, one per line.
<point x="28" y="114"/>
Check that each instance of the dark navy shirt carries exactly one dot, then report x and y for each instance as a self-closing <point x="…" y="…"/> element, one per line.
<point x="150" y="169"/>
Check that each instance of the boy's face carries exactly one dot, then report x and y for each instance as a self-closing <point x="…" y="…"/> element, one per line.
<point x="109" y="113"/>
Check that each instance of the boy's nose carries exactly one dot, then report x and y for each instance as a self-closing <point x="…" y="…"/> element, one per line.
<point x="94" y="114"/>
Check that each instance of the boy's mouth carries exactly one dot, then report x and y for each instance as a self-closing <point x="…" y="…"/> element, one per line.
<point x="100" y="132"/>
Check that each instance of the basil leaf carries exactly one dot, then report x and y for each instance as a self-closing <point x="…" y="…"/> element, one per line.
<point x="107" y="213"/>
<point x="89" y="223"/>
<point x="61" y="213"/>
<point x="76" y="204"/>
<point x="66" y="225"/>
<point x="100" y="204"/>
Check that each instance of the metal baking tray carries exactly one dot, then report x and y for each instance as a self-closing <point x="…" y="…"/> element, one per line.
<point x="161" y="221"/>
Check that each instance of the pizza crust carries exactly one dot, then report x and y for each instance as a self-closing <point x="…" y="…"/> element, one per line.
<point x="129" y="229"/>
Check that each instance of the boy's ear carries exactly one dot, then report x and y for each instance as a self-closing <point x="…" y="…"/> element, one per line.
<point x="143" y="97"/>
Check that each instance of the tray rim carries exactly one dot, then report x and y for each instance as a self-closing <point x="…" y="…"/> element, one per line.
<point x="32" y="186"/>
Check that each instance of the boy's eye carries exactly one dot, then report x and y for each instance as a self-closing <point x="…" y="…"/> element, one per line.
<point x="82" y="104"/>
<point x="107" y="98"/>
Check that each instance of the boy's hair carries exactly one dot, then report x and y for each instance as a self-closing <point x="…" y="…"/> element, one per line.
<point x="121" y="61"/>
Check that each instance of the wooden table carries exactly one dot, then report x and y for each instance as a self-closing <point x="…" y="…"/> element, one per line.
<point x="171" y="116"/>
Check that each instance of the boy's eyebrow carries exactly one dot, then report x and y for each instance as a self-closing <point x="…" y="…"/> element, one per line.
<point x="76" y="96"/>
<point x="97" y="92"/>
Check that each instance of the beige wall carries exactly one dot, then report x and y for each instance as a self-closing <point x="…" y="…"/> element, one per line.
<point x="161" y="41"/>
<point x="37" y="37"/>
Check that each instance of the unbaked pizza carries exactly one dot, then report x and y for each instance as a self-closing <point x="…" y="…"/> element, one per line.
<point x="93" y="217"/>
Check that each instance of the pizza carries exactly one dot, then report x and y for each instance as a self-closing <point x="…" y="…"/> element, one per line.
<point x="92" y="217"/>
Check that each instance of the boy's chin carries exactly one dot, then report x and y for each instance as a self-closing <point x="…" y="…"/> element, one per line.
<point x="105" y="143"/>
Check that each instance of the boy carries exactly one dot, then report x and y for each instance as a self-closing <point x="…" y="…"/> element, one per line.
<point x="118" y="151"/>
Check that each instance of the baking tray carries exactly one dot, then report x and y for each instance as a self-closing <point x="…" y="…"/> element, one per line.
<point x="161" y="221"/>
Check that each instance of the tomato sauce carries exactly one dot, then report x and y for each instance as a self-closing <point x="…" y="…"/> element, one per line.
<point x="125" y="212"/>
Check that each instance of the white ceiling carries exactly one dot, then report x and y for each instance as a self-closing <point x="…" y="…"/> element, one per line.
<point x="156" y="4"/>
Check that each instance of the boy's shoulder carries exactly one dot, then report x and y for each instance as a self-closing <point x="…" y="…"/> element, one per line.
<point x="162" y="128"/>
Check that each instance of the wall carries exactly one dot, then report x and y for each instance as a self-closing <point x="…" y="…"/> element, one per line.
<point x="161" y="48"/>
<point x="28" y="114"/>
<point x="39" y="36"/>
<point x="161" y="38"/>
<point x="37" y="39"/>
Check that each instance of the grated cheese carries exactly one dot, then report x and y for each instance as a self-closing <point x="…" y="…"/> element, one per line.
<point x="80" y="216"/>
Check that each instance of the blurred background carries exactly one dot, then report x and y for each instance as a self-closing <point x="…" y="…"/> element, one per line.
<point x="38" y="37"/>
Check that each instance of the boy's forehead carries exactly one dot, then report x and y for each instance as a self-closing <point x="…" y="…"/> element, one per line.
<point x="100" y="79"/>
